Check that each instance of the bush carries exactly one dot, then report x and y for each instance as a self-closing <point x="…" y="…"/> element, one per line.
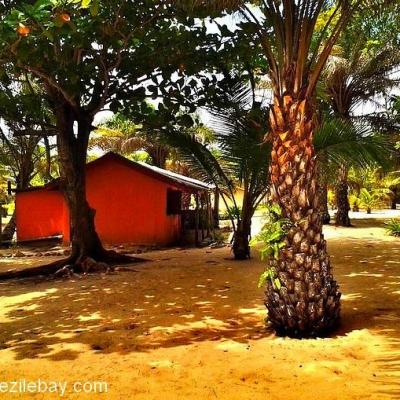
<point x="393" y="227"/>
<point x="231" y="212"/>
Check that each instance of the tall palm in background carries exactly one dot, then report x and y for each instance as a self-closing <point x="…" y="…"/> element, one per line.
<point x="362" y="68"/>
<point x="124" y="136"/>
<point x="341" y="142"/>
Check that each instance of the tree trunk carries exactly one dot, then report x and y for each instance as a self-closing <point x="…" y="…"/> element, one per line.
<point x="393" y="202"/>
<point x="241" y="238"/>
<point x="342" y="199"/>
<point x="323" y="197"/>
<point x="8" y="232"/>
<point x="216" y="208"/>
<point x="23" y="179"/>
<point x="307" y="301"/>
<point x="158" y="155"/>
<point x="72" y="152"/>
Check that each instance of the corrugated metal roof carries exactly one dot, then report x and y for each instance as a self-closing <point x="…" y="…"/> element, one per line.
<point x="155" y="172"/>
<point x="181" y="179"/>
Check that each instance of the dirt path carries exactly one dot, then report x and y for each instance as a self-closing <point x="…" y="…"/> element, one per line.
<point x="189" y="325"/>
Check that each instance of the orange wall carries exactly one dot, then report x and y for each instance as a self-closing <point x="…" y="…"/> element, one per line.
<point x="40" y="214"/>
<point x="130" y="206"/>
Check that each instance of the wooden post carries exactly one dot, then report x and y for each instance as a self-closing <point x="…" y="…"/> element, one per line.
<point x="216" y="208"/>
<point x="208" y="220"/>
<point x="196" y="220"/>
<point x="202" y="216"/>
<point x="210" y="217"/>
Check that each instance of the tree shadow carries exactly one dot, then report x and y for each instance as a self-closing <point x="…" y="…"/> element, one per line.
<point x="124" y="312"/>
<point x="191" y="296"/>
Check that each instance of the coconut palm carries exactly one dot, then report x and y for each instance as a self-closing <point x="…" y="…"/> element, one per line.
<point x="361" y="69"/>
<point x="307" y="302"/>
<point x="236" y="159"/>
<point x="124" y="136"/>
<point x="372" y="187"/>
<point x="341" y="142"/>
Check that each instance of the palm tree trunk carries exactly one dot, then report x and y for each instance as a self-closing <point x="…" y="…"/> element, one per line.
<point x="323" y="196"/>
<point x="342" y="198"/>
<point x="241" y="246"/>
<point x="307" y="301"/>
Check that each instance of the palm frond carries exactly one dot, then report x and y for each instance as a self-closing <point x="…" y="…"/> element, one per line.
<point x="341" y="142"/>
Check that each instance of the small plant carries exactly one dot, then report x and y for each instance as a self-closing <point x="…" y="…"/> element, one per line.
<point x="331" y="199"/>
<point x="375" y="198"/>
<point x="354" y="203"/>
<point x="393" y="227"/>
<point x="232" y="212"/>
<point x="272" y="235"/>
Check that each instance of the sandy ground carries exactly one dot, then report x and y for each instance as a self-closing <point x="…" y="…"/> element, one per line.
<point x="189" y="324"/>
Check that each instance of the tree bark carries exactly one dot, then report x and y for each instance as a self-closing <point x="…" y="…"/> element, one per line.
<point x="8" y="232"/>
<point x="85" y="242"/>
<point x="342" y="199"/>
<point x="393" y="202"/>
<point x="323" y="197"/>
<point x="72" y="152"/>
<point x="307" y="301"/>
<point x="241" y="239"/>
<point x="23" y="179"/>
<point x="158" y="155"/>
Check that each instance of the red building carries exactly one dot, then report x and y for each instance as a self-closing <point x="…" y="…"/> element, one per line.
<point x="135" y="203"/>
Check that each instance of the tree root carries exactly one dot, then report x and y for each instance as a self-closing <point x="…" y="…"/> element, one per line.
<point x="73" y="265"/>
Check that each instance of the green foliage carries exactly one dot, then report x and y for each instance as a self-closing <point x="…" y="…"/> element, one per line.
<point x="375" y="198"/>
<point x="393" y="227"/>
<point x="231" y="212"/>
<point x="272" y="235"/>
<point x="354" y="202"/>
<point x="339" y="142"/>
<point x="271" y="275"/>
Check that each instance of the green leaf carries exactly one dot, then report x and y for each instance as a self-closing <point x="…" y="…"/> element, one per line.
<point x="85" y="3"/>
<point x="277" y="283"/>
<point x="94" y="8"/>
<point x="263" y="279"/>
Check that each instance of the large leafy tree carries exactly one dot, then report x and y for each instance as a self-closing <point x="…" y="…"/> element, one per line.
<point x="86" y="56"/>
<point x="25" y="124"/>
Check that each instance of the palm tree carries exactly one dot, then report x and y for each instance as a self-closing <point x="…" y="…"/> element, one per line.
<point x="341" y="142"/>
<point x="372" y="187"/>
<point x="237" y="156"/>
<point x="307" y="302"/>
<point x="124" y="136"/>
<point x="361" y="69"/>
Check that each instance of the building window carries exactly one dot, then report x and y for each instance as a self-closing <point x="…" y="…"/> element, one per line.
<point x="174" y="202"/>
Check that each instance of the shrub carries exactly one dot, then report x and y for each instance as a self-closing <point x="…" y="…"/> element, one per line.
<point x="393" y="227"/>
